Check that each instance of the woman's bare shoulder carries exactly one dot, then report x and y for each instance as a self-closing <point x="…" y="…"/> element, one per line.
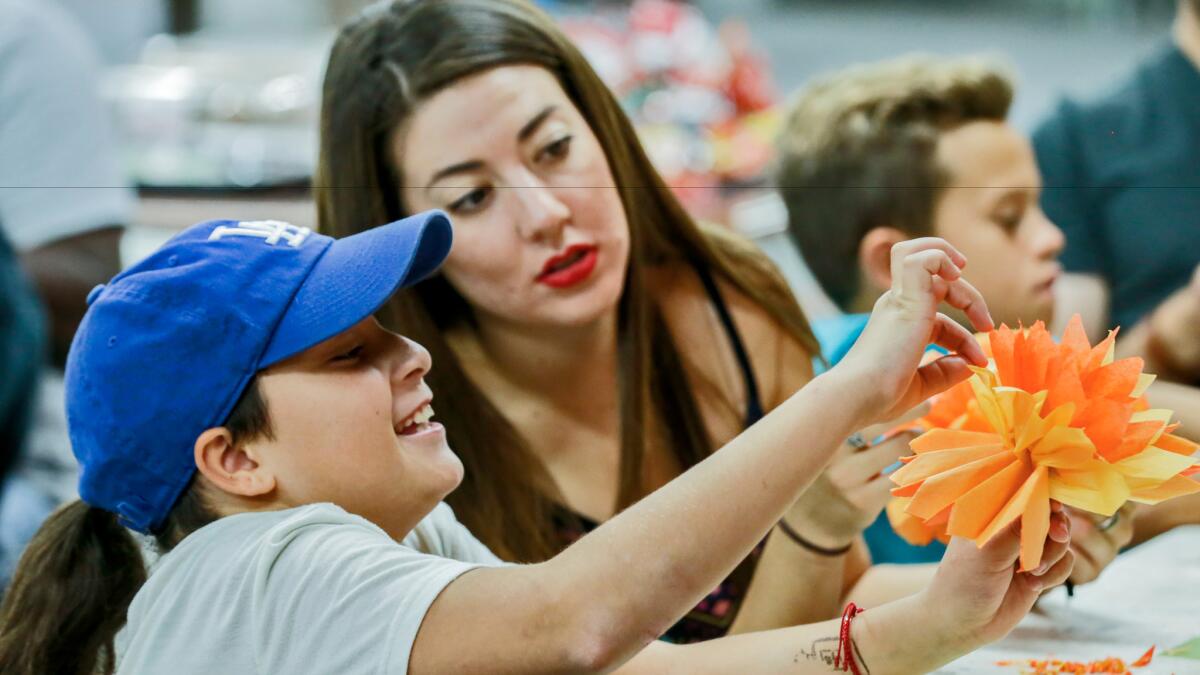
<point x="692" y="319"/>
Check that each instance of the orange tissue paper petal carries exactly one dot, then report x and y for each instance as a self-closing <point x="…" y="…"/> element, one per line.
<point x="940" y="491"/>
<point x="1176" y="444"/>
<point x="911" y="528"/>
<point x="1116" y="380"/>
<point x="1035" y="520"/>
<point x="1045" y="420"/>
<point x="978" y="507"/>
<point x="948" y="439"/>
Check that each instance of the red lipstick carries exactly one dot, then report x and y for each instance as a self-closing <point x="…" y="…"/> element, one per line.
<point x="572" y="266"/>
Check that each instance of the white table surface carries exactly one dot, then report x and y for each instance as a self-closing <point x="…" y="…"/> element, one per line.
<point x="1148" y="596"/>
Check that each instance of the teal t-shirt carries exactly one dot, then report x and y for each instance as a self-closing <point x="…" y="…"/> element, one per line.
<point x="836" y="336"/>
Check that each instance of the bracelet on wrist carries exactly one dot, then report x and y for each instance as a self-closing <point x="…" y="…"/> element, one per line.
<point x="845" y="659"/>
<point x="808" y="545"/>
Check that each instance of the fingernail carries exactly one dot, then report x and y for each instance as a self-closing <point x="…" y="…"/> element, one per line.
<point x="1041" y="569"/>
<point x="1060" y="531"/>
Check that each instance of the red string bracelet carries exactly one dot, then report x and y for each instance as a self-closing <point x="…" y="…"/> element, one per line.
<point x="844" y="660"/>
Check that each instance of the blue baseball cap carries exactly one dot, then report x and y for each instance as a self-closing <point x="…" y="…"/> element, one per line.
<point x="167" y="347"/>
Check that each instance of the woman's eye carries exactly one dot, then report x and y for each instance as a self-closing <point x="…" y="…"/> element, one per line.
<point x="558" y="149"/>
<point x="471" y="201"/>
<point x="351" y="355"/>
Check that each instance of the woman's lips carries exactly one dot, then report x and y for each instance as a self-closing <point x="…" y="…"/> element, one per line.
<point x="570" y="267"/>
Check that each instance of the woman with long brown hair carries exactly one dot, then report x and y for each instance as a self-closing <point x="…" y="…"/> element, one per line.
<point x="595" y="341"/>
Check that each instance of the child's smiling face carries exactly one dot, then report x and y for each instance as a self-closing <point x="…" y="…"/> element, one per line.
<point x="350" y="423"/>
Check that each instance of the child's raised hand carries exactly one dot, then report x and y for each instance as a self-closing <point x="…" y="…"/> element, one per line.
<point x="886" y="358"/>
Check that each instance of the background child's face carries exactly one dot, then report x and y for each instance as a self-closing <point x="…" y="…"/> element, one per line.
<point x="990" y="212"/>
<point x="339" y="412"/>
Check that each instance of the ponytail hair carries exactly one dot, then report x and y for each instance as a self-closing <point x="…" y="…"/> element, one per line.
<point x="72" y="588"/>
<point x="70" y="593"/>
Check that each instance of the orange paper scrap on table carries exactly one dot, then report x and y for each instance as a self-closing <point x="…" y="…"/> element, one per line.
<point x="1043" y="421"/>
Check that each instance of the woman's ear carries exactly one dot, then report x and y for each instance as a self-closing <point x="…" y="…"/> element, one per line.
<point x="875" y="257"/>
<point x="233" y="469"/>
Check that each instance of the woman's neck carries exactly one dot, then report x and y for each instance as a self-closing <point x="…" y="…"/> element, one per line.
<point x="561" y="362"/>
<point x="1187" y="33"/>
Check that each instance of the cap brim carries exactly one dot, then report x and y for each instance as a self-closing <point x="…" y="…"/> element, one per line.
<point x="355" y="277"/>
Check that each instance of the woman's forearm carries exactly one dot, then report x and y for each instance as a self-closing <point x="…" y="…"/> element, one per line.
<point x="896" y="638"/>
<point x="885" y="583"/>
<point x="790" y="587"/>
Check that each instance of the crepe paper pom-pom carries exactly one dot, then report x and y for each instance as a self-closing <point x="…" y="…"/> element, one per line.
<point x="1044" y="421"/>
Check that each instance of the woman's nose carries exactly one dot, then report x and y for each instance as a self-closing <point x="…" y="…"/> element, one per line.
<point x="543" y="214"/>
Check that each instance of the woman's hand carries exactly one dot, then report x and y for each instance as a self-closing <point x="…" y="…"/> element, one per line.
<point x="978" y="596"/>
<point x="850" y="493"/>
<point x="1096" y="540"/>
<point x="885" y="361"/>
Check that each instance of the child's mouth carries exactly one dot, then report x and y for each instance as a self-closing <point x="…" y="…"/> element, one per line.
<point x="417" y="423"/>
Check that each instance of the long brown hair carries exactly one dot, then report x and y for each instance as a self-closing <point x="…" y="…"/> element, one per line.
<point x="383" y="65"/>
<point x="73" y="585"/>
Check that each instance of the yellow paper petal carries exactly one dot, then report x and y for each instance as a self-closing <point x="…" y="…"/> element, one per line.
<point x="1064" y="448"/>
<point x="1099" y="488"/>
<point x="1176" y="487"/>
<point x="1144" y="382"/>
<point x="1154" y="464"/>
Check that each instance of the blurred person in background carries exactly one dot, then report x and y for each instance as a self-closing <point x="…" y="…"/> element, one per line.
<point x="22" y="348"/>
<point x="595" y="340"/>
<point x="1123" y="182"/>
<point x="63" y="200"/>
<point x="877" y="154"/>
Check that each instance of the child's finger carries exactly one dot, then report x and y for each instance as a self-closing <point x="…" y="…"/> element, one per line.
<point x="962" y="295"/>
<point x="948" y="334"/>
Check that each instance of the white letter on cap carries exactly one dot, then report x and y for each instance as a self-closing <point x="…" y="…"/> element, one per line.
<point x="270" y="231"/>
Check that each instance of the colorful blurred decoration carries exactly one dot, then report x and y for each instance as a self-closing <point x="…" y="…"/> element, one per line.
<point x="1045" y="420"/>
<point x="700" y="96"/>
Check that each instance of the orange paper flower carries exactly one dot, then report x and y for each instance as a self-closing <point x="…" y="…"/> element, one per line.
<point x="1043" y="421"/>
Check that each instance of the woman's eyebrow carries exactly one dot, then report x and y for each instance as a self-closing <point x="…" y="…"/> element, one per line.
<point x="461" y="167"/>
<point x="533" y="124"/>
<point x="473" y="164"/>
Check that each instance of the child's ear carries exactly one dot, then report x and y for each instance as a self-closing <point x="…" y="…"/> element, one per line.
<point x="233" y="469"/>
<point x="875" y="256"/>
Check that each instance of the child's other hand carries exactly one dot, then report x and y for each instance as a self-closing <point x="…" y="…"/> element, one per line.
<point x="1096" y="540"/>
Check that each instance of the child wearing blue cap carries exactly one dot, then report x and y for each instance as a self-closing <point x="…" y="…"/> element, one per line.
<point x="232" y="396"/>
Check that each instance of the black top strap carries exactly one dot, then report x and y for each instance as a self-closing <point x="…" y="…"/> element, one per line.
<point x="754" y="409"/>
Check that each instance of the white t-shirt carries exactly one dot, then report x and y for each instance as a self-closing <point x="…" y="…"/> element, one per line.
<point x="307" y="590"/>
